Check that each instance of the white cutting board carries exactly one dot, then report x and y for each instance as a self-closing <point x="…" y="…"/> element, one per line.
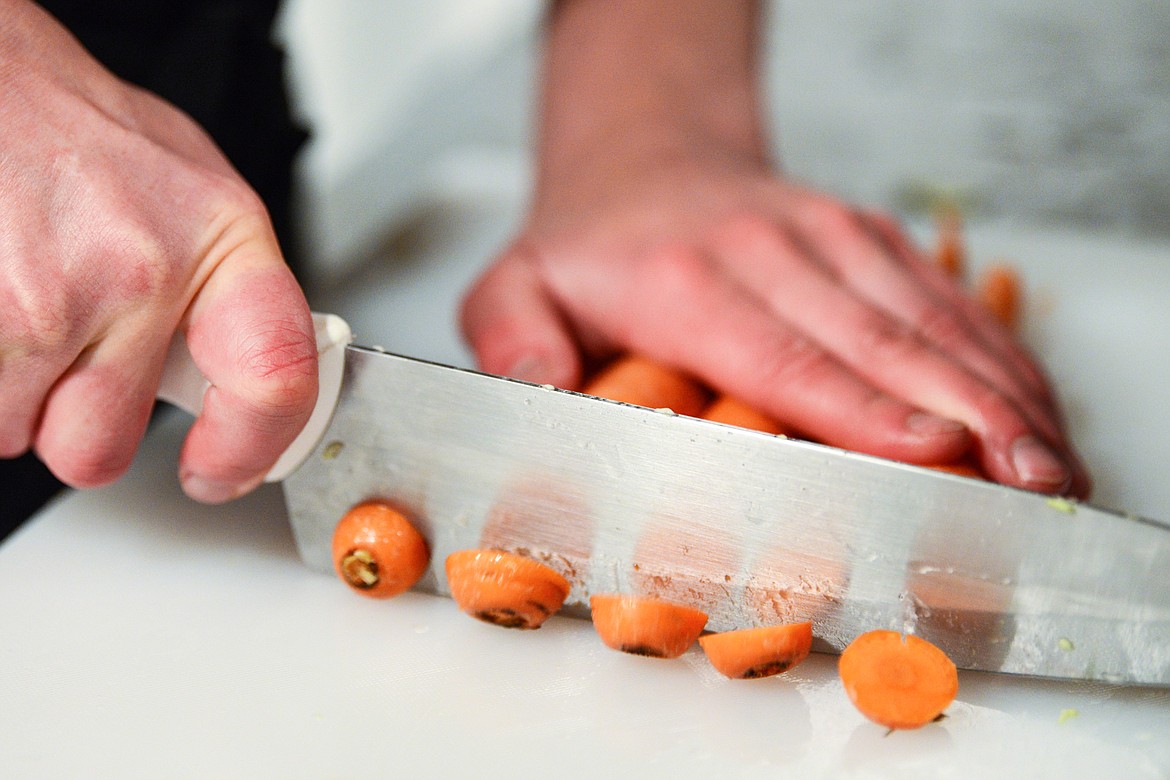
<point x="142" y="635"/>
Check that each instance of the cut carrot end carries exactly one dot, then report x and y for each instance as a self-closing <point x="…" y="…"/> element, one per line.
<point x="646" y="626"/>
<point x="1001" y="292"/>
<point x="753" y="653"/>
<point x="505" y="589"/>
<point x="732" y="411"/>
<point x="377" y="551"/>
<point x="633" y="379"/>
<point x="900" y="682"/>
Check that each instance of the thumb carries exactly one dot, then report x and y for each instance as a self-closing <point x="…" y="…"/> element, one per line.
<point x="250" y="333"/>
<point x="514" y="327"/>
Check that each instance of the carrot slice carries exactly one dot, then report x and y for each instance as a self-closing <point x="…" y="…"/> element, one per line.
<point x="633" y="379"/>
<point x="732" y="411"/>
<point x="646" y="626"/>
<point x="1001" y="291"/>
<point x="505" y="589"/>
<point x="960" y="468"/>
<point x="751" y="653"/>
<point x="377" y="551"/>
<point x="900" y="682"/>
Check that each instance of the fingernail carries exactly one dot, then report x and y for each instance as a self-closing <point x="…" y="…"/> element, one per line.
<point x="210" y="491"/>
<point x="931" y="424"/>
<point x="1035" y="463"/>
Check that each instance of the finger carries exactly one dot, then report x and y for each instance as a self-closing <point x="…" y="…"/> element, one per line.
<point x="991" y="332"/>
<point x="513" y="326"/>
<point x="861" y="259"/>
<point x="250" y="333"/>
<point x="892" y="357"/>
<point x="700" y="320"/>
<point x="96" y="414"/>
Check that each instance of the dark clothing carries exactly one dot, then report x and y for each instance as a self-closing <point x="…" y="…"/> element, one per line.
<point x="214" y="59"/>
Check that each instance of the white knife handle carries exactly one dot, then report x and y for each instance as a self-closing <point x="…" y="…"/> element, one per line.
<point x="183" y="386"/>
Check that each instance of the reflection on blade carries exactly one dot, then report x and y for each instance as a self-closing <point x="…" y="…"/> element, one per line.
<point x="752" y="528"/>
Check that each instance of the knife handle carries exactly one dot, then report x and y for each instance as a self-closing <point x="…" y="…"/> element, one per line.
<point x="183" y="385"/>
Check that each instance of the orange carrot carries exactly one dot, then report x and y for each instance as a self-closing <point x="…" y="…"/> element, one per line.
<point x="633" y="379"/>
<point x="751" y="653"/>
<point x="646" y="626"/>
<point x="1001" y="291"/>
<point x="377" y="551"/>
<point x="961" y="468"/>
<point x="732" y="411"/>
<point x="951" y="254"/>
<point x="505" y="589"/>
<point x="900" y="682"/>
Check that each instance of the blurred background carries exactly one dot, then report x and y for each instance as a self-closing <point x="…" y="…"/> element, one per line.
<point x="1048" y="114"/>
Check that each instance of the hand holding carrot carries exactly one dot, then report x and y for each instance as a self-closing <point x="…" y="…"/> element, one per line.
<point x="658" y="227"/>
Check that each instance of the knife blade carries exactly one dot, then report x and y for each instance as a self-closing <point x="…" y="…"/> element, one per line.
<point x="752" y="528"/>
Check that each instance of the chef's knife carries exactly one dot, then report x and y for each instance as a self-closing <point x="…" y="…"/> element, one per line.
<point x="751" y="528"/>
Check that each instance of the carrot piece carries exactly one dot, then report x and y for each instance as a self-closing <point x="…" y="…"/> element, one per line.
<point x="633" y="379"/>
<point x="752" y="653"/>
<point x="732" y="411"/>
<point x="377" y="551"/>
<point x="505" y="589"/>
<point x="900" y="682"/>
<point x="646" y="626"/>
<point x="961" y="468"/>
<point x="950" y="253"/>
<point x="1001" y="291"/>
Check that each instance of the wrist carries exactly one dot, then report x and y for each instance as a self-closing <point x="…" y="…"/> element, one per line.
<point x="629" y="82"/>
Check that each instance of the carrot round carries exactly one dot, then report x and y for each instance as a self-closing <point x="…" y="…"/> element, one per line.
<point x="961" y="468"/>
<point x="752" y="653"/>
<point x="900" y="682"/>
<point x="377" y="551"/>
<point x="732" y="411"/>
<point x="505" y="589"/>
<point x="1001" y="291"/>
<point x="633" y="379"/>
<point x="646" y="626"/>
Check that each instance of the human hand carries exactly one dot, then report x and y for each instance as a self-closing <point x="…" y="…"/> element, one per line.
<point x="120" y="225"/>
<point x="675" y="238"/>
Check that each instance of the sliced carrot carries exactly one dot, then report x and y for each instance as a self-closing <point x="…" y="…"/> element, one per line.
<point x="633" y="379"/>
<point x="751" y="653"/>
<point x="732" y="411"/>
<point x="900" y="682"/>
<point x="961" y="468"/>
<point x="505" y="589"/>
<point x="951" y="253"/>
<point x="646" y="626"/>
<point x="377" y="551"/>
<point x="1001" y="291"/>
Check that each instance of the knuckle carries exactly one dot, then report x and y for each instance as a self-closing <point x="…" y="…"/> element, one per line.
<point x="794" y="362"/>
<point x="280" y="363"/>
<point x="676" y="270"/>
<point x="883" y="340"/>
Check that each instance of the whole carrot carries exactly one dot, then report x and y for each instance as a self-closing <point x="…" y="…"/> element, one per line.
<point x="1001" y="291"/>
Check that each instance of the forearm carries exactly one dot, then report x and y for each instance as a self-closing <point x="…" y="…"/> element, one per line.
<point x="649" y="77"/>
